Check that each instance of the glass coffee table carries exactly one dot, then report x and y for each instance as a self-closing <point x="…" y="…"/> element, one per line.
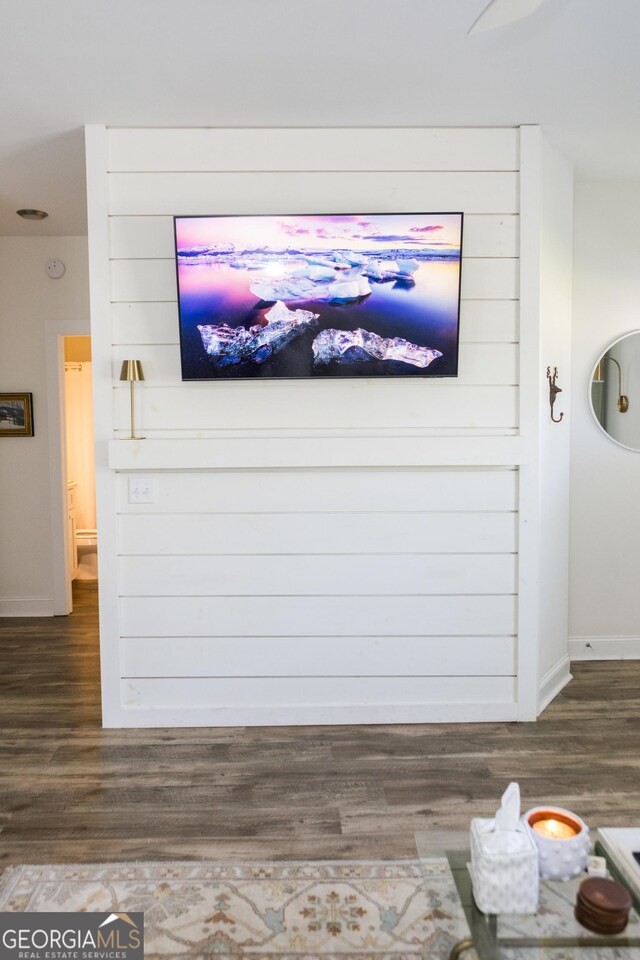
<point x="552" y="933"/>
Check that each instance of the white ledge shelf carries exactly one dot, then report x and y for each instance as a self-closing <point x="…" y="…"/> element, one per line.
<point x="281" y="452"/>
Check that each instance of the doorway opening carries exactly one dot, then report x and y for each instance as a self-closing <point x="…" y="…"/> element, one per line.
<point x="80" y="480"/>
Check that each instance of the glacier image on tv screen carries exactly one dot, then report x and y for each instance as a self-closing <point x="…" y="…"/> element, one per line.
<point x="319" y="295"/>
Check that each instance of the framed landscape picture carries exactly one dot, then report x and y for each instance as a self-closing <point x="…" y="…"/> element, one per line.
<point x="319" y="295"/>
<point x="16" y="415"/>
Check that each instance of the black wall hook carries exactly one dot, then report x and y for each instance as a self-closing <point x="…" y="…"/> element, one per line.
<point x="553" y="392"/>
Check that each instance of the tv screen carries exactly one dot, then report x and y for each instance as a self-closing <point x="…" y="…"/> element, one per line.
<point x="319" y="295"/>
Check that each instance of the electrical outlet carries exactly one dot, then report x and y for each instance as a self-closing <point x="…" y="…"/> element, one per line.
<point x="142" y="490"/>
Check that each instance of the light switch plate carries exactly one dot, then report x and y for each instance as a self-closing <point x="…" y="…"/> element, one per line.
<point x="142" y="490"/>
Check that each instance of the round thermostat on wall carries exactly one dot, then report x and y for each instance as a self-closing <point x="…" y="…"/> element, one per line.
<point x="55" y="269"/>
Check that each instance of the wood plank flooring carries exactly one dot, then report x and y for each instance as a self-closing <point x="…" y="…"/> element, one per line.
<point x="70" y="791"/>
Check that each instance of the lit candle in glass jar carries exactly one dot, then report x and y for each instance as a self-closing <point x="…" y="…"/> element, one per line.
<point x="562" y="839"/>
<point x="555" y="829"/>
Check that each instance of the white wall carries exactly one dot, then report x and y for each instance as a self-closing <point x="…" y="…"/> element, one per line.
<point x="605" y="519"/>
<point x="318" y="551"/>
<point x="32" y="306"/>
<point x="555" y="447"/>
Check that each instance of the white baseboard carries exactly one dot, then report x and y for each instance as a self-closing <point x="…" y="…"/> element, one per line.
<point x="26" y="606"/>
<point x="553" y="682"/>
<point x="313" y="715"/>
<point x="604" y="648"/>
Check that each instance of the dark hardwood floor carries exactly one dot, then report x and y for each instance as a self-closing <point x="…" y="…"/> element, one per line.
<point x="70" y="791"/>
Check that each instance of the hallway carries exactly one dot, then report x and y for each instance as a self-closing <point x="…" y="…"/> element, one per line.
<point x="70" y="791"/>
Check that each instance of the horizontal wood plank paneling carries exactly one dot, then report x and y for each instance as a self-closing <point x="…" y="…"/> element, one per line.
<point x="399" y="693"/>
<point x="487" y="321"/>
<point x="148" y="280"/>
<point x="488" y="364"/>
<point x="327" y="149"/>
<point x="491" y="235"/>
<point x="309" y="405"/>
<point x="184" y="194"/>
<point x="151" y="237"/>
<point x="493" y="279"/>
<point x="256" y="616"/>
<point x="264" y="449"/>
<point x="143" y="322"/>
<point x="333" y="575"/>
<point x="141" y="238"/>
<point x="338" y="534"/>
<point x="264" y="533"/>
<point x="479" y="363"/>
<point x="328" y="490"/>
<point x="324" y="656"/>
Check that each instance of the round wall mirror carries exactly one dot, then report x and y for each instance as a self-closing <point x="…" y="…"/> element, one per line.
<point x="614" y="391"/>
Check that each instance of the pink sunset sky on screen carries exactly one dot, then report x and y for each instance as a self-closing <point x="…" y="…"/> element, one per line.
<point x="353" y="231"/>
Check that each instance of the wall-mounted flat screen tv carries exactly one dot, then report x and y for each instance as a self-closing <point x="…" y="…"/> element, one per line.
<point x="319" y="295"/>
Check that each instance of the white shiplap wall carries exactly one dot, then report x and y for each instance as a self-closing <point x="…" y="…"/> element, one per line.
<point x="318" y="551"/>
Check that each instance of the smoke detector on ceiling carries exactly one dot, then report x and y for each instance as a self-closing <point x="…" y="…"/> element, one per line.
<point x="498" y="13"/>
<point x="55" y="269"/>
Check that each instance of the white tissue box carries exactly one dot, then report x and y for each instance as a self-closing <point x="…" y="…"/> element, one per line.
<point x="504" y="868"/>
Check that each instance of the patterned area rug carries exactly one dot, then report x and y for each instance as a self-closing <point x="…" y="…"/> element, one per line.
<point x="333" y="911"/>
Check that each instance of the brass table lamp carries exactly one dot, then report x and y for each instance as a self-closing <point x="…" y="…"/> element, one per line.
<point x="132" y="371"/>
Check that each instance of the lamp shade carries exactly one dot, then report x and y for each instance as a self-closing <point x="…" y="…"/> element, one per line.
<point x="131" y="370"/>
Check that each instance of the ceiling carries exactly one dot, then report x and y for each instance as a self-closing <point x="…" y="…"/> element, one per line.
<point x="572" y="66"/>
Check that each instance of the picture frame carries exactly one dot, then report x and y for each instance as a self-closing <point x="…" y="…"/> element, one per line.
<point x="16" y="415"/>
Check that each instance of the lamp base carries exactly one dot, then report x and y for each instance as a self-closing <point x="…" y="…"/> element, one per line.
<point x="133" y="438"/>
